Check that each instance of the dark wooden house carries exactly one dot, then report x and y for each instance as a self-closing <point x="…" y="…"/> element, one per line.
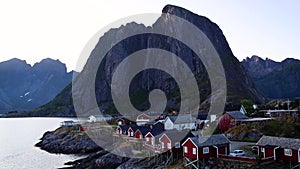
<point x="204" y="147"/>
<point x="279" y="148"/>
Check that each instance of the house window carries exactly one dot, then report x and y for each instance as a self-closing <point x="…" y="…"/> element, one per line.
<point x="147" y="138"/>
<point x="131" y="133"/>
<point x="194" y="151"/>
<point x="185" y="149"/>
<point x="262" y="149"/>
<point x="141" y="136"/>
<point x="177" y="145"/>
<point x="162" y="145"/>
<point x="169" y="145"/>
<point x="205" y="150"/>
<point x="287" y="152"/>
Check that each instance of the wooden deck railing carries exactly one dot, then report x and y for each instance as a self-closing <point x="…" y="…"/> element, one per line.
<point x="246" y="159"/>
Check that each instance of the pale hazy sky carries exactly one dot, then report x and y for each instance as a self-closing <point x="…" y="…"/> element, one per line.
<point x="33" y="29"/>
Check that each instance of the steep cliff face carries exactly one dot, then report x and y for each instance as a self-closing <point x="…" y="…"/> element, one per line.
<point x="23" y="87"/>
<point x="239" y="85"/>
<point x="275" y="79"/>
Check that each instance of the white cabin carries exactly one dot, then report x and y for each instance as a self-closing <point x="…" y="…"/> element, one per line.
<point x="180" y="122"/>
<point x="99" y="118"/>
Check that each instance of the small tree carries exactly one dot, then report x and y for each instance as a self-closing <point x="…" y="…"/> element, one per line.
<point x="248" y="105"/>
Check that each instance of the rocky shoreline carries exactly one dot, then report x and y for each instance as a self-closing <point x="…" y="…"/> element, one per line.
<point x="68" y="140"/>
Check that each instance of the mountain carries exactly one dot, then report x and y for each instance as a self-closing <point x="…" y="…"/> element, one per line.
<point x="26" y="87"/>
<point x="277" y="80"/>
<point x="239" y="84"/>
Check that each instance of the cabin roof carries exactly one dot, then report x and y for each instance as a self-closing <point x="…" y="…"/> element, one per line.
<point x="177" y="135"/>
<point x="256" y="119"/>
<point x="156" y="131"/>
<point x="283" y="142"/>
<point x="237" y="115"/>
<point x="216" y="139"/>
<point x="180" y="119"/>
<point x="133" y="127"/>
<point x="101" y="116"/>
<point x="144" y="129"/>
<point x="126" y="127"/>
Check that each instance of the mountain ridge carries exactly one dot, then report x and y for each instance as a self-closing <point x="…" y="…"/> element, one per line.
<point x="277" y="80"/>
<point x="25" y="87"/>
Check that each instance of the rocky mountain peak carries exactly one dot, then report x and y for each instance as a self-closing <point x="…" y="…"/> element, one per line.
<point x="275" y="79"/>
<point x="25" y="87"/>
<point x="239" y="85"/>
<point x="48" y="65"/>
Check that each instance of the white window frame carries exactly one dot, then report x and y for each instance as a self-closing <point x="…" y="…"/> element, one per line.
<point x="194" y="151"/>
<point x="147" y="139"/>
<point x="177" y="145"/>
<point x="262" y="150"/>
<point x="185" y="149"/>
<point x="205" y="150"/>
<point x="288" y="152"/>
<point x="169" y="145"/>
<point x="162" y="145"/>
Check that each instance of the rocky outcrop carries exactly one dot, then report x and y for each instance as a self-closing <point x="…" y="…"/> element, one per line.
<point x="67" y="141"/>
<point x="239" y="84"/>
<point x="276" y="80"/>
<point x="25" y="87"/>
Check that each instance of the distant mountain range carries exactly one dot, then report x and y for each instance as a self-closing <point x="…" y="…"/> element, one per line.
<point x="26" y="87"/>
<point x="275" y="79"/>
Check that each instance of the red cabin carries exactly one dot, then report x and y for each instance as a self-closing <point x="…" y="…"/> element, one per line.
<point x="121" y="121"/>
<point x="142" y="131"/>
<point x="172" y="139"/>
<point x="229" y="120"/>
<point x="286" y="149"/>
<point x="131" y="130"/>
<point x="204" y="147"/>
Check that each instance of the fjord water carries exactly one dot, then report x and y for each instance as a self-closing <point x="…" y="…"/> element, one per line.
<point x="17" y="139"/>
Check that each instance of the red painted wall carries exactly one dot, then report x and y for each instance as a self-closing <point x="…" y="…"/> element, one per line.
<point x="269" y="152"/>
<point x="138" y="134"/>
<point x="222" y="150"/>
<point x="212" y="153"/>
<point x="119" y="130"/>
<point x="225" y="122"/>
<point x="280" y="155"/>
<point x="165" y="140"/>
<point x="190" y="147"/>
<point x="129" y="132"/>
<point x="149" y="136"/>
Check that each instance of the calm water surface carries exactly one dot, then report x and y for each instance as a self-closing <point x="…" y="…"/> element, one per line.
<point x="17" y="139"/>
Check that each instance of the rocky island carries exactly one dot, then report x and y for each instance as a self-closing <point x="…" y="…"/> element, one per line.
<point x="69" y="140"/>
